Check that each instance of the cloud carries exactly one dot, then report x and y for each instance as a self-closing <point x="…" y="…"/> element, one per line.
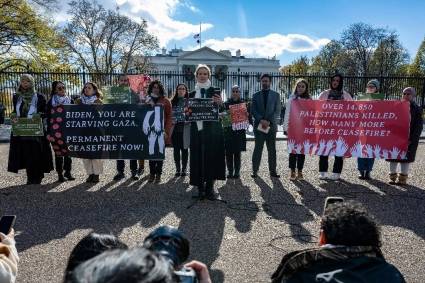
<point x="269" y="45"/>
<point x="159" y="14"/>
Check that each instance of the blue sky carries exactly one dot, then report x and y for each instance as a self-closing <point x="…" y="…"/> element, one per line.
<point x="287" y="29"/>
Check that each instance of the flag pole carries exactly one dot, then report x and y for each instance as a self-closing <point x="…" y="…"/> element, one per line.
<point x="200" y="35"/>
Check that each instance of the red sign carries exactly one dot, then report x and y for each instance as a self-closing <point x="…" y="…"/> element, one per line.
<point x="373" y="129"/>
<point x="239" y="116"/>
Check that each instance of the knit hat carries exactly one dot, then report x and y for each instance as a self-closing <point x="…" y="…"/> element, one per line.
<point x="410" y="90"/>
<point x="375" y="83"/>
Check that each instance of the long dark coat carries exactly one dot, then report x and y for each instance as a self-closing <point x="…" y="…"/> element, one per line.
<point x="209" y="141"/>
<point x="234" y="141"/>
<point x="30" y="152"/>
<point x="416" y="125"/>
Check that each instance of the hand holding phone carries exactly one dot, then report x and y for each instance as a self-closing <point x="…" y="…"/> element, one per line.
<point x="6" y="223"/>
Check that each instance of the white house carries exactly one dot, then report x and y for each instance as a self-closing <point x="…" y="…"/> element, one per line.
<point x="186" y="61"/>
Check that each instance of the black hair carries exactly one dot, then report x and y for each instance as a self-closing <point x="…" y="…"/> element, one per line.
<point x="175" y="97"/>
<point x="349" y="224"/>
<point x="266" y="76"/>
<point x="161" y="87"/>
<point x="54" y="85"/>
<point x="90" y="246"/>
<point x="341" y="82"/>
<point x="137" y="265"/>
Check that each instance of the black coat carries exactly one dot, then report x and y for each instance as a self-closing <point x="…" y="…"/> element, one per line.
<point x="234" y="141"/>
<point x="209" y="141"/>
<point x="416" y="125"/>
<point x="31" y="152"/>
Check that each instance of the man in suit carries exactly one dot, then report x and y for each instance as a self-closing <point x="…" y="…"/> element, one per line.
<point x="266" y="111"/>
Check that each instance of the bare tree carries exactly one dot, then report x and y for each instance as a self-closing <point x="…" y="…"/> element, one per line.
<point x="103" y="40"/>
<point x="389" y="57"/>
<point x="361" y="40"/>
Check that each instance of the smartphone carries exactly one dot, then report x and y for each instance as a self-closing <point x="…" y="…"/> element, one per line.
<point x="6" y="223"/>
<point x="187" y="275"/>
<point x="217" y="91"/>
<point x="331" y="200"/>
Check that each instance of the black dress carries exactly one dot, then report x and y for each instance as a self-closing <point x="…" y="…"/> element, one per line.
<point x="416" y="125"/>
<point x="31" y="153"/>
<point x="206" y="150"/>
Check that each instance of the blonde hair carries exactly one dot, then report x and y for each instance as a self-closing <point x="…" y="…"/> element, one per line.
<point x="203" y="66"/>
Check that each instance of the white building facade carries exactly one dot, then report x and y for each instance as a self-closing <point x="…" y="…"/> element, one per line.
<point x="222" y="61"/>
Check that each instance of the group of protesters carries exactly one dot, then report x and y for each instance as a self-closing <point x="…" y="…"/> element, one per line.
<point x="208" y="146"/>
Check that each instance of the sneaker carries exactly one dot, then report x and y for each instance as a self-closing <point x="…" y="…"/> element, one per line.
<point x="151" y="178"/>
<point x="119" y="176"/>
<point x="323" y="176"/>
<point x="292" y="177"/>
<point x="300" y="175"/>
<point x="361" y="175"/>
<point x="68" y="176"/>
<point x="335" y="176"/>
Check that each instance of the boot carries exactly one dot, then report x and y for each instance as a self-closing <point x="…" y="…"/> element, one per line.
<point x="201" y="192"/>
<point x="95" y="179"/>
<point x="90" y="178"/>
<point x="61" y="179"/>
<point x="119" y="176"/>
<point x="209" y="190"/>
<point x="402" y="179"/>
<point x="361" y="175"/>
<point x="178" y="171"/>
<point x="300" y="175"/>
<point x="184" y="172"/>
<point x="293" y="176"/>
<point x="68" y="176"/>
<point x="393" y="178"/>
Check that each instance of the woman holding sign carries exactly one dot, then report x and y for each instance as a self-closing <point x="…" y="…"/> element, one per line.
<point x="206" y="141"/>
<point x="181" y="131"/>
<point x="59" y="97"/>
<point x="365" y="164"/>
<point x="416" y="125"/>
<point x="32" y="153"/>
<point x="336" y="92"/>
<point x="234" y="139"/>
<point x="296" y="160"/>
<point x="156" y="96"/>
<point x="91" y="95"/>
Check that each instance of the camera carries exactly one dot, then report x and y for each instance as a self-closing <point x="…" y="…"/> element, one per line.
<point x="170" y="243"/>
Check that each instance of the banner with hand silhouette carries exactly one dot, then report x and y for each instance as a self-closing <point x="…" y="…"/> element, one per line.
<point x="371" y="129"/>
<point x="109" y="131"/>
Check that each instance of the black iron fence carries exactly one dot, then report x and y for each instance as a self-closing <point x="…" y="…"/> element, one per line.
<point x="249" y="83"/>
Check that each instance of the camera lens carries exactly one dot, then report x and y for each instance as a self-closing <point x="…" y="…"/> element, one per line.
<point x="169" y="242"/>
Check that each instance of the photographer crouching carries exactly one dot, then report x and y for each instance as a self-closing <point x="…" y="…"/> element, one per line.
<point x="160" y="259"/>
<point x="349" y="251"/>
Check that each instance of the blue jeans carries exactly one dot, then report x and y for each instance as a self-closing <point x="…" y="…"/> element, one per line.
<point x="365" y="164"/>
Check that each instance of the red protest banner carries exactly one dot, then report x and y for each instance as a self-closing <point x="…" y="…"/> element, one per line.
<point x="374" y="129"/>
<point x="239" y="116"/>
<point x="139" y="84"/>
